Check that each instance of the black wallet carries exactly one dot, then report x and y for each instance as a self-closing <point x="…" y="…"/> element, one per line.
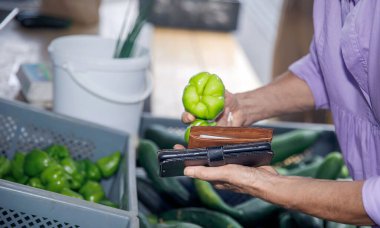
<point x="172" y="162"/>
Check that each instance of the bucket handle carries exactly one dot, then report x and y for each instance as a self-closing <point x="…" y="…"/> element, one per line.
<point x="98" y="92"/>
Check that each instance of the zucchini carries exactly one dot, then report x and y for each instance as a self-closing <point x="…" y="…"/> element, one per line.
<point x="176" y="224"/>
<point x="150" y="197"/>
<point x="143" y="221"/>
<point x="202" y="217"/>
<point x="292" y="143"/>
<point x="147" y="157"/>
<point x="306" y="170"/>
<point x="162" y="137"/>
<point x="304" y="220"/>
<point x="344" y="173"/>
<point x="255" y="211"/>
<point x="330" y="224"/>
<point x="286" y="221"/>
<point x="210" y="198"/>
<point x="331" y="166"/>
<point x="143" y="209"/>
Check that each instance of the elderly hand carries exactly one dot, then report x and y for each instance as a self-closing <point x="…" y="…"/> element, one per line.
<point x="231" y="116"/>
<point x="232" y="177"/>
<point x="236" y="178"/>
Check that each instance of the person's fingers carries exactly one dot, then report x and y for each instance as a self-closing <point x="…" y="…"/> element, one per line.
<point x="205" y="173"/>
<point x="179" y="147"/>
<point x="187" y="117"/>
<point x="226" y="173"/>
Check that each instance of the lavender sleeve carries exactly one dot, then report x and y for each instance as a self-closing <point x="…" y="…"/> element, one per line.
<point x="371" y="198"/>
<point x="307" y="68"/>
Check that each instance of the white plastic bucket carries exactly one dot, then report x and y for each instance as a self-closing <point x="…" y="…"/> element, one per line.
<point x="92" y="85"/>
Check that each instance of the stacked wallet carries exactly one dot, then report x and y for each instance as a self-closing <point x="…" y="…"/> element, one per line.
<point x="217" y="146"/>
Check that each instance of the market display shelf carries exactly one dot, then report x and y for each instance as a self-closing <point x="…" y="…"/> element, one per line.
<point x="326" y="143"/>
<point x="23" y="128"/>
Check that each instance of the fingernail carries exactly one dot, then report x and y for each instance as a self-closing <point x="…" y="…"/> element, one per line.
<point x="189" y="172"/>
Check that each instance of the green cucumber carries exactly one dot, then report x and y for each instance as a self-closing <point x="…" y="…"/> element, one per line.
<point x="162" y="137"/>
<point x="210" y="198"/>
<point x="304" y="220"/>
<point x="147" y="157"/>
<point x="292" y="143"/>
<point x="344" y="173"/>
<point x="176" y="224"/>
<point x="306" y="170"/>
<point x="286" y="221"/>
<point x="255" y="211"/>
<point x="150" y="197"/>
<point x="330" y="224"/>
<point x="143" y="221"/>
<point x="202" y="217"/>
<point x="331" y="166"/>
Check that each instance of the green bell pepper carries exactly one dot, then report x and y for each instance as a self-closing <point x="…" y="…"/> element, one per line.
<point x="92" y="191"/>
<point x="69" y="192"/>
<point x="35" y="182"/>
<point x="9" y="178"/>
<point x="5" y="166"/>
<point x="17" y="167"/>
<point x="197" y="122"/>
<point x="54" y="178"/>
<point x="69" y="165"/>
<point x="92" y="170"/>
<point x="108" y="165"/>
<point x="58" y="152"/>
<point x="35" y="162"/>
<point x="74" y="178"/>
<point x="204" y="96"/>
<point x="109" y="203"/>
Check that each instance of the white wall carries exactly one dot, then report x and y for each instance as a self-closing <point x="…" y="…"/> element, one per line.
<point x="256" y="33"/>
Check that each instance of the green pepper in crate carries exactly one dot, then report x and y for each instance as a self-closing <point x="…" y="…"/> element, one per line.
<point x="35" y="182"/>
<point x="109" y="203"/>
<point x="109" y="164"/>
<point x="74" y="177"/>
<point x="71" y="193"/>
<point x="5" y="166"/>
<point x="58" y="152"/>
<point x="35" y="162"/>
<point x="92" y="191"/>
<point x="9" y="178"/>
<point x="92" y="171"/>
<point x="17" y="167"/>
<point x="54" y="178"/>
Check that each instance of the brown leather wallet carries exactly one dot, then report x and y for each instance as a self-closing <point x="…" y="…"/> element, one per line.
<point x="219" y="136"/>
<point x="217" y="146"/>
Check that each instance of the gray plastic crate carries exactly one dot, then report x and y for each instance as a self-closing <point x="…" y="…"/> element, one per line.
<point x="325" y="144"/>
<point x="23" y="128"/>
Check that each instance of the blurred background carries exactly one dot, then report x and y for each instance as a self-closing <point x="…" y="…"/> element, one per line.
<point x="246" y="42"/>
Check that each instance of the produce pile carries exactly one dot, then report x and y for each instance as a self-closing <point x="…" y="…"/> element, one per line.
<point x="186" y="202"/>
<point x="54" y="169"/>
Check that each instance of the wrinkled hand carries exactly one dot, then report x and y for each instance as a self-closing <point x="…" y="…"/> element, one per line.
<point x="232" y="177"/>
<point x="231" y="116"/>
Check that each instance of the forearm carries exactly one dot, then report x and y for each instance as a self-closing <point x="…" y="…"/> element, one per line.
<point x="332" y="200"/>
<point x="286" y="94"/>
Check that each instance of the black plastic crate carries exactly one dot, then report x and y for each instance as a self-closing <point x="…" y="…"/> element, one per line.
<point x="219" y="15"/>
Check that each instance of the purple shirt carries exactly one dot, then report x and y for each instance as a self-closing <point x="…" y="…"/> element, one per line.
<point x="343" y="72"/>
